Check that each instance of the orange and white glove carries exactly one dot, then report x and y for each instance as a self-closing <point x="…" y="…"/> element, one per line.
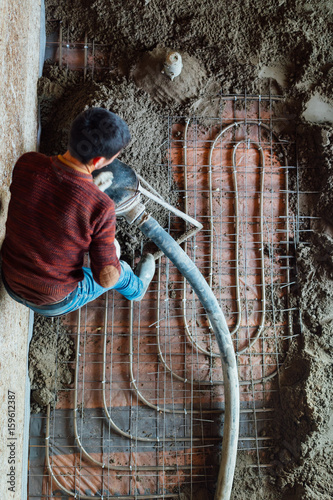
<point x="118" y="251"/>
<point x="103" y="180"/>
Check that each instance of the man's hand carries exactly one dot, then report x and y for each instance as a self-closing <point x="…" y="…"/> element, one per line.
<point x="103" y="180"/>
<point x="116" y="244"/>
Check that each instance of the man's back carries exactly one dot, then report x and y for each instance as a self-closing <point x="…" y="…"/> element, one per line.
<point x="56" y="214"/>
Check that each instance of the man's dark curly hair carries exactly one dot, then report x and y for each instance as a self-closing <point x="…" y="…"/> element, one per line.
<point x="97" y="132"/>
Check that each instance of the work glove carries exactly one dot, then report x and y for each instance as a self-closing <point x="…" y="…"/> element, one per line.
<point x="116" y="244"/>
<point x="103" y="180"/>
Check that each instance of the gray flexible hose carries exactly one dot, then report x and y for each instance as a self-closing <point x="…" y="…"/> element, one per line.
<point x="151" y="228"/>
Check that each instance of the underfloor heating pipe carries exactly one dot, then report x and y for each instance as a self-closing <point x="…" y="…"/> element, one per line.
<point x="152" y="229"/>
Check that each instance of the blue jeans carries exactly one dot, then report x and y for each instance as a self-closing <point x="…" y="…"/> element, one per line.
<point x="129" y="285"/>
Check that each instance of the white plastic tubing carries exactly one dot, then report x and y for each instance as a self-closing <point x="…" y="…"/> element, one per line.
<point x="150" y="227"/>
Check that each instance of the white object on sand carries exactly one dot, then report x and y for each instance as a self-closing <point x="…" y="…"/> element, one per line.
<point x="173" y="65"/>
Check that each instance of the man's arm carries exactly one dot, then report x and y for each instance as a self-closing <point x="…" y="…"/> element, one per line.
<point x="105" y="264"/>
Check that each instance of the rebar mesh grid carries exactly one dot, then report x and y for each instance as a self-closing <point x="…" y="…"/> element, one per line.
<point x="145" y="419"/>
<point x="87" y="55"/>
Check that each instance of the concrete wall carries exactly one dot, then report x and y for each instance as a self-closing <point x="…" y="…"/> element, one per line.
<point x="19" y="62"/>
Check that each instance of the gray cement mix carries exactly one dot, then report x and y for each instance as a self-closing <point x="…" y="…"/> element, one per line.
<point x="231" y="47"/>
<point x="50" y="355"/>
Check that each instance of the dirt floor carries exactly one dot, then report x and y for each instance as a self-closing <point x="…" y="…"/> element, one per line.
<point x="228" y="47"/>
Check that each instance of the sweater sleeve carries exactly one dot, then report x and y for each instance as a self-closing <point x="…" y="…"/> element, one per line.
<point x="104" y="262"/>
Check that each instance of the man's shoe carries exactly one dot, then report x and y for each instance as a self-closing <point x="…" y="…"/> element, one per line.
<point x="145" y="270"/>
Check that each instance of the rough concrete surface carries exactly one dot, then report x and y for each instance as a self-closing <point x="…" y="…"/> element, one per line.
<point x="19" y="58"/>
<point x="50" y="353"/>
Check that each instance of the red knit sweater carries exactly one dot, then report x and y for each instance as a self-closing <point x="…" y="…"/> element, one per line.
<point x="56" y="214"/>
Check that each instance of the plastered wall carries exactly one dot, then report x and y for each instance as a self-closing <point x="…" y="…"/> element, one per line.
<point x="19" y="62"/>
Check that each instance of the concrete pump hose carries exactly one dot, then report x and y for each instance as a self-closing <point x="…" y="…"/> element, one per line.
<point x="151" y="228"/>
